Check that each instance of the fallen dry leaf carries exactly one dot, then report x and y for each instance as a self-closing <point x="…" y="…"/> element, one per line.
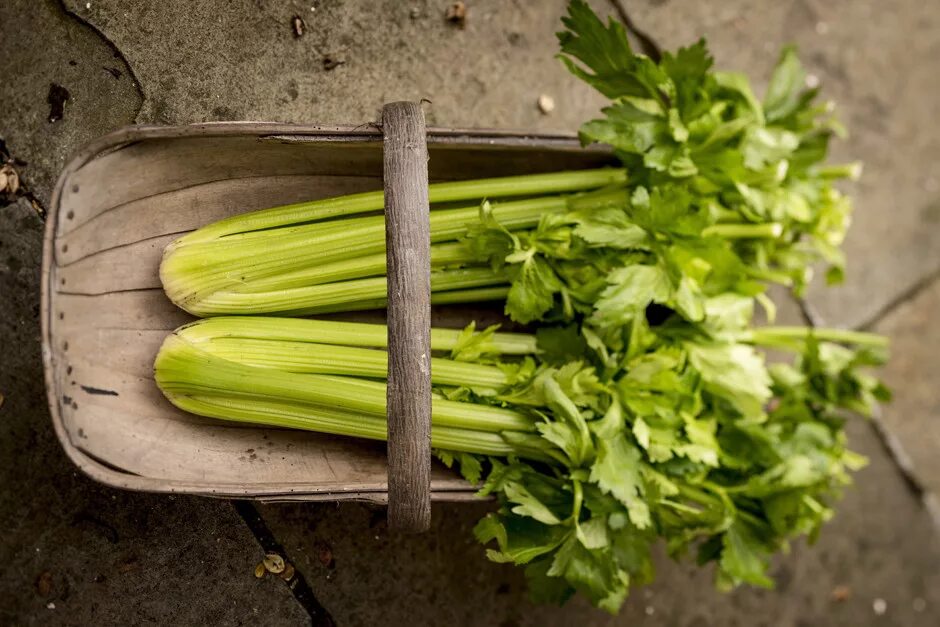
<point x="9" y="179"/>
<point x="841" y="594"/>
<point x="44" y="583"/>
<point x="325" y="554"/>
<point x="273" y="563"/>
<point x="456" y="14"/>
<point x="288" y="573"/>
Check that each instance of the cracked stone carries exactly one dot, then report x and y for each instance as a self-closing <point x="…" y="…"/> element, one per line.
<point x="196" y="558"/>
<point x="913" y="372"/>
<point x="188" y="72"/>
<point x="37" y="41"/>
<point x="112" y="557"/>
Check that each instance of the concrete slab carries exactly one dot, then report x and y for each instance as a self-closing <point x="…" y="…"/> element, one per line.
<point x="913" y="373"/>
<point x="76" y="553"/>
<point x="41" y="46"/>
<point x="880" y="546"/>
<point x="488" y="74"/>
<point x="115" y="558"/>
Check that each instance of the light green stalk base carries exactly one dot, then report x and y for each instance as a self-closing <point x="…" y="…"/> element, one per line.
<point x="301" y="259"/>
<point x="282" y="372"/>
<point x="794" y="338"/>
<point x="337" y="333"/>
<point x="502" y="187"/>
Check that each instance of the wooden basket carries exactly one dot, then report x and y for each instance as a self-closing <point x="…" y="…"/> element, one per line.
<point x="104" y="315"/>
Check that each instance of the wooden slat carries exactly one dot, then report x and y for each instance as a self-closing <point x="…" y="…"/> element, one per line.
<point x="139" y="309"/>
<point x="144" y="169"/>
<point x="127" y="267"/>
<point x="173" y="212"/>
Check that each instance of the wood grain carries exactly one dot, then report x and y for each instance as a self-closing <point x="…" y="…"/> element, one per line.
<point x="408" y="251"/>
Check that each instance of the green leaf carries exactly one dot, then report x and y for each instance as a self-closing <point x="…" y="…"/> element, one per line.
<point x="739" y="87"/>
<point x="743" y="556"/>
<point x="592" y="533"/>
<point x="489" y="240"/>
<point x="615" y="70"/>
<point x="631" y="125"/>
<point x="475" y="346"/>
<point x="570" y="433"/>
<point x="729" y="311"/>
<point x="617" y="472"/>
<point x="470" y="466"/>
<point x="763" y="147"/>
<point x="533" y="290"/>
<point x="734" y="372"/>
<point x="592" y="573"/>
<point x="560" y="345"/>
<point x="631" y="289"/>
<point x="689" y="300"/>
<point x="786" y="86"/>
<point x="609" y="227"/>
<point x="668" y="208"/>
<point x="544" y="588"/>
<point x="688" y="69"/>
<point x="526" y="504"/>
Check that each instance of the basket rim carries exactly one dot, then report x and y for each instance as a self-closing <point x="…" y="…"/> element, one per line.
<point x="106" y="474"/>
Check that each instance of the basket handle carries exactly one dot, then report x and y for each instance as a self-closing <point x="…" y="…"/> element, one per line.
<point x="408" y="254"/>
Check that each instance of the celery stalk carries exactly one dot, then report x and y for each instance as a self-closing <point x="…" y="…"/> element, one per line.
<point x="334" y="332"/>
<point x="183" y="368"/>
<point x="525" y="185"/>
<point x="193" y="271"/>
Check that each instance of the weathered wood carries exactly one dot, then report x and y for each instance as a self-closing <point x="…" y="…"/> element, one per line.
<point x="140" y="185"/>
<point x="408" y="246"/>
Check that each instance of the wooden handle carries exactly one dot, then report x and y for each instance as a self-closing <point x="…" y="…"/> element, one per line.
<point x="408" y="246"/>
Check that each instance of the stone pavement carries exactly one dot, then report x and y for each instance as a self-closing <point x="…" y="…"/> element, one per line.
<point x="73" y="552"/>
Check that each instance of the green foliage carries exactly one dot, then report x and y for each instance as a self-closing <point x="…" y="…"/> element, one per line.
<point x="665" y="420"/>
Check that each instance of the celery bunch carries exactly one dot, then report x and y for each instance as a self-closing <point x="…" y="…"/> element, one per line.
<point x="642" y="407"/>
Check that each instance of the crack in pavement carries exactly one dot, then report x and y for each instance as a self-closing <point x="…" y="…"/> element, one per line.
<point x="910" y="293"/>
<point x="297" y="584"/>
<point x="649" y="45"/>
<point x="896" y="451"/>
<point x="113" y="47"/>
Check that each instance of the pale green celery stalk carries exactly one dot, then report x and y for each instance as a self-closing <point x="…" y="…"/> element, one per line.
<point x="306" y="357"/>
<point x="744" y="230"/>
<point x="190" y="271"/>
<point x="442" y="255"/>
<point x="339" y="333"/>
<point x="766" y="274"/>
<point x="182" y="368"/>
<point x="331" y="294"/>
<point x="525" y="185"/>
<point x="477" y="295"/>
<point x="289" y="415"/>
<point x="793" y="337"/>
